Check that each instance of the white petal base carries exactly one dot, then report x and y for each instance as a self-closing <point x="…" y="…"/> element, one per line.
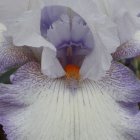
<point x="62" y="114"/>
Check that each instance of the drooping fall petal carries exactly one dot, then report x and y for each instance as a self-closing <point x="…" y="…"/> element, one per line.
<point x="49" y="109"/>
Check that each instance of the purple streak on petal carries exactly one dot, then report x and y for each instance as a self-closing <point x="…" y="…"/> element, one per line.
<point x="127" y="50"/>
<point x="18" y="94"/>
<point x="123" y="82"/>
<point x="55" y="26"/>
<point x="49" y="15"/>
<point x="12" y="56"/>
<point x="131" y="108"/>
<point x="75" y="35"/>
<point x="125" y="88"/>
<point x="132" y="126"/>
<point x="61" y="34"/>
<point x="27" y="83"/>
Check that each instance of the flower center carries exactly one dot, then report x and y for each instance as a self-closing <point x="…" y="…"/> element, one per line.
<point x="72" y="72"/>
<point x="70" y="35"/>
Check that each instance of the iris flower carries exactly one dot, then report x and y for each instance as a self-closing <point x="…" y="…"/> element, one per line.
<point x="69" y="83"/>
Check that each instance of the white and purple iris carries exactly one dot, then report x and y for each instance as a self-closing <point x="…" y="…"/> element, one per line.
<point x="69" y="84"/>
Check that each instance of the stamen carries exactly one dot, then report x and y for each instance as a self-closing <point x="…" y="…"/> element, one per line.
<point x="72" y="72"/>
<point x="69" y="51"/>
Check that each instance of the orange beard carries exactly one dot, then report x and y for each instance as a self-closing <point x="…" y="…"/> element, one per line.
<point x="72" y="72"/>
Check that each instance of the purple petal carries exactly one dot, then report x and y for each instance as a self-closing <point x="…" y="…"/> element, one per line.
<point x="62" y="35"/>
<point x="49" y="15"/>
<point x="12" y="56"/>
<point x="132" y="126"/>
<point x="127" y="50"/>
<point x="123" y="82"/>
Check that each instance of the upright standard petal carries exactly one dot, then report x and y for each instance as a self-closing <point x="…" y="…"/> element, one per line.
<point x="9" y="11"/>
<point x="89" y="11"/>
<point x="50" y="65"/>
<point x="50" y="14"/>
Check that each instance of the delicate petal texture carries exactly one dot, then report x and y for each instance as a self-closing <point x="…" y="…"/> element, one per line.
<point x="60" y="32"/>
<point x="50" y="65"/>
<point x="98" y="15"/>
<point x="127" y="50"/>
<point x="123" y="83"/>
<point x="96" y="64"/>
<point x="17" y="93"/>
<point x="2" y="29"/>
<point x="133" y="8"/>
<point x="53" y="111"/>
<point x="37" y="107"/>
<point x="102" y="28"/>
<point x="125" y="18"/>
<point x="91" y="14"/>
<point x="24" y="32"/>
<point x="64" y="33"/>
<point x="80" y="32"/>
<point x="50" y="15"/>
<point x="9" y="11"/>
<point x="12" y="56"/>
<point x="108" y="25"/>
<point x="133" y="126"/>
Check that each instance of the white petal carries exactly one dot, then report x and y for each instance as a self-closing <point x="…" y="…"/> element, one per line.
<point x="97" y="63"/>
<point x="26" y="31"/>
<point x="50" y="65"/>
<point x="11" y="10"/>
<point x="125" y="18"/>
<point x="55" y="112"/>
<point x="60" y="32"/>
<point x="58" y="114"/>
<point x="2" y="29"/>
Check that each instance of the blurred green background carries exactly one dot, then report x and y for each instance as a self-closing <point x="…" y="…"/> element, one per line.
<point x="133" y="64"/>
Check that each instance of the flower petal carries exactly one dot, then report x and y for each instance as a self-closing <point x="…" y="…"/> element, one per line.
<point x="49" y="15"/>
<point x="24" y="33"/>
<point x="133" y="126"/>
<point x="106" y="25"/>
<point x="127" y="50"/>
<point x="125" y="18"/>
<point x="2" y="29"/>
<point x="50" y="65"/>
<point x="12" y="56"/>
<point x="48" y="109"/>
<point x="98" y="22"/>
<point x="123" y="82"/>
<point x="10" y="11"/>
<point x="60" y="32"/>
<point x="96" y="63"/>
<point x="24" y="77"/>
